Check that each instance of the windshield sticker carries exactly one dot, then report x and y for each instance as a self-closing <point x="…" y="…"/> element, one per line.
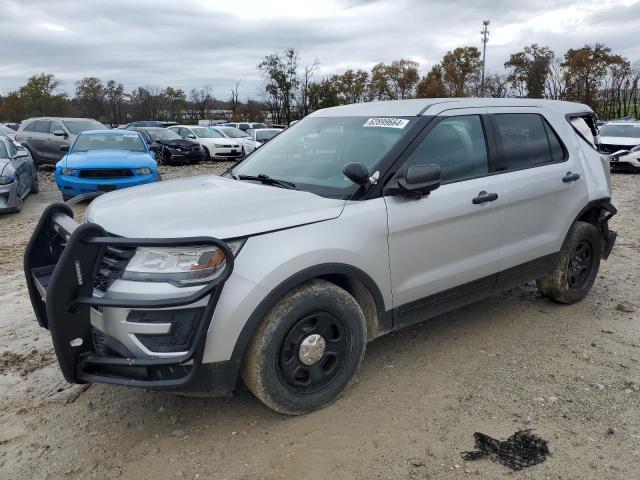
<point x="386" y="122"/>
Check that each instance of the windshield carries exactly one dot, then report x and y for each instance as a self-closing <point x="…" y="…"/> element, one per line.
<point x="162" y="134"/>
<point x="205" y="132"/>
<point x="78" y="126"/>
<point x="313" y="154"/>
<point x="262" y="135"/>
<point x="231" y="132"/>
<point x="629" y="131"/>
<point x="131" y="142"/>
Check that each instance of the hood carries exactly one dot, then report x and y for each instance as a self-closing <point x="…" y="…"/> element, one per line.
<point x="108" y="159"/>
<point x="622" y="141"/>
<point x="178" y="142"/>
<point x="207" y="205"/>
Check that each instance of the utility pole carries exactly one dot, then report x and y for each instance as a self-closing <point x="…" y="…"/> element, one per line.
<point x="485" y="39"/>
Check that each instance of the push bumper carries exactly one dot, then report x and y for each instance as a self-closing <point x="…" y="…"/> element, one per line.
<point x="62" y="264"/>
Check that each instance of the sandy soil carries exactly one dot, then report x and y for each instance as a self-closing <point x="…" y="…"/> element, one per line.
<point x="514" y="361"/>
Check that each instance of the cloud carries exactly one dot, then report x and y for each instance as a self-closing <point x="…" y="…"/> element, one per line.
<point x="192" y="43"/>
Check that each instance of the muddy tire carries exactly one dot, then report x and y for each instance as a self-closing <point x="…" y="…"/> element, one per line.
<point x="35" y="186"/>
<point x="577" y="265"/>
<point x="307" y="349"/>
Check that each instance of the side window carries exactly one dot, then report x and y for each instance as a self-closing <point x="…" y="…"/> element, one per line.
<point x="458" y="145"/>
<point x="42" y="126"/>
<point x="30" y="127"/>
<point x="527" y="140"/>
<point x="55" y="126"/>
<point x="12" y="149"/>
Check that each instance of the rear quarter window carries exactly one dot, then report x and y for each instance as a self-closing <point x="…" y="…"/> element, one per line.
<point x="527" y="141"/>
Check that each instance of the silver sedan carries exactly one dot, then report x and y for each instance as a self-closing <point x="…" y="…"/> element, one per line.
<point x="18" y="175"/>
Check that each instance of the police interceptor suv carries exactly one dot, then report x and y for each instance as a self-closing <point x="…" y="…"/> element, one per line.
<point x="354" y="222"/>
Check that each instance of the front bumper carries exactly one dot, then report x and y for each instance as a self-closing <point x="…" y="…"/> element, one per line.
<point x="62" y="263"/>
<point x="626" y="162"/>
<point x="8" y="196"/>
<point x="235" y="152"/>
<point x="75" y="185"/>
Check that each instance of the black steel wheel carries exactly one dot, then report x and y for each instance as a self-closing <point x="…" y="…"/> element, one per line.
<point x="313" y="352"/>
<point x="577" y="266"/>
<point x="307" y="349"/>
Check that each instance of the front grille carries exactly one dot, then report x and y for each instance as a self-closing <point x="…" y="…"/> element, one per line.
<point x="113" y="262"/>
<point x="106" y="173"/>
<point x="608" y="148"/>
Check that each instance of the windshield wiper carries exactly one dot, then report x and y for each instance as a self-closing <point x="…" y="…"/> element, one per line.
<point x="266" y="179"/>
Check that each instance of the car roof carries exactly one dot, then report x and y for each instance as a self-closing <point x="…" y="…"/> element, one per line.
<point x="427" y="106"/>
<point x="623" y="122"/>
<point x="60" y="118"/>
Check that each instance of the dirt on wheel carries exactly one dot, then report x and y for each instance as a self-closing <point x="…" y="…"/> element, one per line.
<point x="515" y="362"/>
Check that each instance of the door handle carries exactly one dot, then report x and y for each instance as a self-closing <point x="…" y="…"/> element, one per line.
<point x="484" y="197"/>
<point x="570" y="177"/>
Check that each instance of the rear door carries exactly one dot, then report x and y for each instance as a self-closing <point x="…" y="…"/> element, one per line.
<point x="53" y="142"/>
<point x="39" y="138"/>
<point x="445" y="247"/>
<point x="545" y="189"/>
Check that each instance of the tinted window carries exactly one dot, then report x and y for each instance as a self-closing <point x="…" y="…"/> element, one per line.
<point x="458" y="145"/>
<point x="42" y="126"/>
<point x="78" y="126"/>
<point x="55" y="126"/>
<point x="30" y="127"/>
<point x="525" y="140"/>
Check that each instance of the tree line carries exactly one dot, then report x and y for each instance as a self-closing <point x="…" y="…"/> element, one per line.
<point x="592" y="74"/>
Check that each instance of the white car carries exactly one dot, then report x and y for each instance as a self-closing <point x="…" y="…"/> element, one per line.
<point x="248" y="144"/>
<point x="214" y="143"/>
<point x="9" y="132"/>
<point x="244" y="126"/>
<point x="263" y="135"/>
<point x="621" y="140"/>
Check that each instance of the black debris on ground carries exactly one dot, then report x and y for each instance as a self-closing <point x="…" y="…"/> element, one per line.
<point x="522" y="449"/>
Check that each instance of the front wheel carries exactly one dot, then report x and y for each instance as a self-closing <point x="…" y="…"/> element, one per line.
<point x="577" y="266"/>
<point x="307" y="349"/>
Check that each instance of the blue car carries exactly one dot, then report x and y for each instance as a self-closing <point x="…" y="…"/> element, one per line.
<point x="105" y="160"/>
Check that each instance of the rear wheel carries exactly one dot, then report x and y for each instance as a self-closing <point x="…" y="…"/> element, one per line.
<point x="577" y="265"/>
<point x="35" y="186"/>
<point x="307" y="349"/>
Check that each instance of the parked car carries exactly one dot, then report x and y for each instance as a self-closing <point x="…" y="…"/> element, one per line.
<point x="13" y="126"/>
<point x="44" y="136"/>
<point x="149" y="123"/>
<point x="247" y="143"/>
<point x="214" y="143"/>
<point x="361" y="220"/>
<point x="618" y="135"/>
<point x="18" y="175"/>
<point x="105" y="160"/>
<point x="8" y="131"/>
<point x="626" y="160"/>
<point x="263" y="135"/>
<point x="169" y="147"/>
<point x="244" y="126"/>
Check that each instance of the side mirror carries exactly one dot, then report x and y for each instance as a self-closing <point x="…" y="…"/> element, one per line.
<point x="64" y="148"/>
<point x="60" y="133"/>
<point x="416" y="181"/>
<point x="21" y="153"/>
<point x="356" y="172"/>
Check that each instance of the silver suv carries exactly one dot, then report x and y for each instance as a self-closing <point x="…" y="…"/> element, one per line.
<point x="43" y="136"/>
<point x="357" y="221"/>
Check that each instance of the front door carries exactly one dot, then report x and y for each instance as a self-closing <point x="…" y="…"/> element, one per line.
<point x="446" y="247"/>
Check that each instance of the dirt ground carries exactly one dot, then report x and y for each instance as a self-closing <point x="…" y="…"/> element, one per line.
<point x="514" y="361"/>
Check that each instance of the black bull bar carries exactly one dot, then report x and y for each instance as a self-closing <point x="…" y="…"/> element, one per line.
<point x="61" y="262"/>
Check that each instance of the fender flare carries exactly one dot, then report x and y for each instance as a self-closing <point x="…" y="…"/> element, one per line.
<point x="607" y="210"/>
<point x="252" y="323"/>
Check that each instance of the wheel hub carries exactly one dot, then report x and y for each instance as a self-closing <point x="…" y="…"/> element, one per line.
<point x="312" y="349"/>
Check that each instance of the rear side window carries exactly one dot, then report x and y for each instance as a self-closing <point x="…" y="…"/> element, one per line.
<point x="42" y="126"/>
<point x="30" y="127"/>
<point x="527" y="141"/>
<point x="458" y="145"/>
<point x="55" y="126"/>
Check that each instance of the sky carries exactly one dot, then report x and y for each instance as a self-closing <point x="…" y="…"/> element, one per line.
<point x="193" y="44"/>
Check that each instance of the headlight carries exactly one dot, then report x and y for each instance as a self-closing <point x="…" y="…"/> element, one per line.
<point x="143" y="171"/>
<point x="4" y="180"/>
<point x="181" y="266"/>
<point x="69" y="171"/>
